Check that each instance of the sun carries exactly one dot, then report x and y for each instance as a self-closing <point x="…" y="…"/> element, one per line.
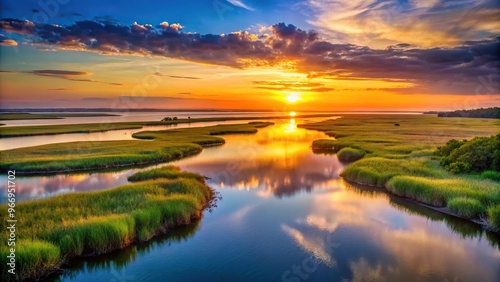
<point x="293" y="97"/>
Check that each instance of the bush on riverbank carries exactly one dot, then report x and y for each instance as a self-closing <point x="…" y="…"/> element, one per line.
<point x="56" y="229"/>
<point x="476" y="155"/>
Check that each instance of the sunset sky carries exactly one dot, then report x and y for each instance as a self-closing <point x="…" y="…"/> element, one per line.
<point x="323" y="55"/>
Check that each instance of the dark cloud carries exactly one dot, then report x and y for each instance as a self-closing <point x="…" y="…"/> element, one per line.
<point x="59" y="73"/>
<point x="458" y="69"/>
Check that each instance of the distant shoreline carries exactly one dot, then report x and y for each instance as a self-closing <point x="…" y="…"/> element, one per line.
<point x="93" y="110"/>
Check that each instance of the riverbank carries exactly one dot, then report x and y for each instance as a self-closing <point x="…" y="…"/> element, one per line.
<point x="398" y="155"/>
<point x="36" y="130"/>
<point x="155" y="147"/>
<point x="58" y="229"/>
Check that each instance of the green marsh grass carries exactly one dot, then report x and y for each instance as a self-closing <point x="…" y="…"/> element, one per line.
<point x="401" y="158"/>
<point x="466" y="207"/>
<point x="494" y="214"/>
<point x="56" y="229"/>
<point x="491" y="174"/>
<point x="349" y="154"/>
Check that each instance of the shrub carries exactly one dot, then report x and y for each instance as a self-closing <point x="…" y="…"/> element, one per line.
<point x="466" y="207"/>
<point x="476" y="155"/>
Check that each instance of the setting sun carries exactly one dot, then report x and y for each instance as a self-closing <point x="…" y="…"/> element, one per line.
<point x="293" y="97"/>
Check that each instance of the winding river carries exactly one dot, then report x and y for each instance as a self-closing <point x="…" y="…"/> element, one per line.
<point x="286" y="215"/>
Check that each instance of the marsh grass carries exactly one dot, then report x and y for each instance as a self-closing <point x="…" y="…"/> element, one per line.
<point x="494" y="214"/>
<point x="466" y="207"/>
<point x="349" y="154"/>
<point x="168" y="172"/>
<point x="401" y="158"/>
<point x="56" y="229"/>
<point x="491" y="174"/>
<point x="163" y="146"/>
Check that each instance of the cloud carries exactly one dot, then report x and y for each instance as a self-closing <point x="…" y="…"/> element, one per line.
<point x="176" y="76"/>
<point x="59" y="73"/>
<point x="4" y="41"/>
<point x="239" y="3"/>
<point x="470" y="67"/>
<point x="423" y="23"/>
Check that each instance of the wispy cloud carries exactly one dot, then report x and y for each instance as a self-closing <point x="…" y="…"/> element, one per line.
<point x="239" y="3"/>
<point x="176" y="76"/>
<point x="64" y="74"/>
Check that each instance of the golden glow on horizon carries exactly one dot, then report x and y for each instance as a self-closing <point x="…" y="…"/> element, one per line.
<point x="293" y="97"/>
<point x="292" y="114"/>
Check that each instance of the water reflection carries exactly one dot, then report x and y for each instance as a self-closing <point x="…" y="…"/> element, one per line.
<point x="276" y="161"/>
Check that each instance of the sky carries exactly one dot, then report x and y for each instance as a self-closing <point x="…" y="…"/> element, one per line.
<point x="301" y="55"/>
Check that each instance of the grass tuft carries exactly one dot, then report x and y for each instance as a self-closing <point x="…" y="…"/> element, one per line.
<point x="494" y="214"/>
<point x="465" y="207"/>
<point x="349" y="154"/>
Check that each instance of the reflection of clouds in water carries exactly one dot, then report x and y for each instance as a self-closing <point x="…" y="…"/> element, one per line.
<point x="276" y="159"/>
<point x="416" y="247"/>
<point x="309" y="170"/>
<point x="362" y="271"/>
<point x="313" y="245"/>
<point x="319" y="222"/>
<point x="46" y="186"/>
<point x="241" y="213"/>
